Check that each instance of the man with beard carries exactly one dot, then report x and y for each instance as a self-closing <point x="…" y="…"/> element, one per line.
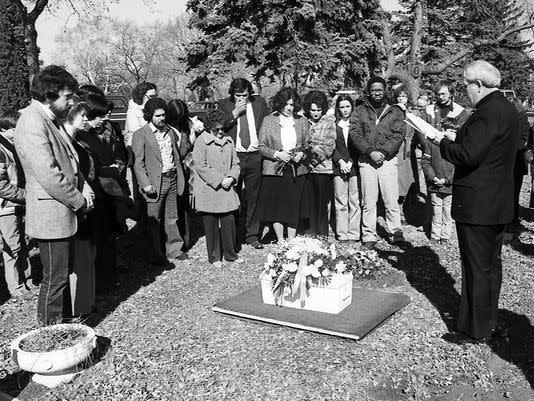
<point x="56" y="190"/>
<point x="377" y="131"/>
<point x="446" y="114"/>
<point x="161" y="180"/>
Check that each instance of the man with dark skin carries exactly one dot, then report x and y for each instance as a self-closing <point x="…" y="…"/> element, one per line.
<point x="377" y="131"/>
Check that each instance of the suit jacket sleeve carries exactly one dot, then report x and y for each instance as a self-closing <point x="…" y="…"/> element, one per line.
<point x="264" y="140"/>
<point x="45" y="167"/>
<point x="235" y="169"/>
<point x="226" y="106"/>
<point x="138" y="148"/>
<point x="471" y="150"/>
<point x="212" y="177"/>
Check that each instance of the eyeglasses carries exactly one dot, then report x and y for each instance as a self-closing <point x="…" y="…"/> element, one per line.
<point x="240" y="94"/>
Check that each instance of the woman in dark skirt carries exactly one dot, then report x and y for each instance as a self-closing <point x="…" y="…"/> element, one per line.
<point x="281" y="139"/>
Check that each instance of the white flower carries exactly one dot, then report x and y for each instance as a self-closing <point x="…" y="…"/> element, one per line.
<point x="318" y="263"/>
<point x="266" y="266"/>
<point x="316" y="273"/>
<point x="340" y="267"/>
<point x="290" y="267"/>
<point x="325" y="273"/>
<point x="287" y="291"/>
<point x="270" y="259"/>
<point x="307" y="270"/>
<point x="272" y="273"/>
<point x="333" y="252"/>
<point x="293" y="254"/>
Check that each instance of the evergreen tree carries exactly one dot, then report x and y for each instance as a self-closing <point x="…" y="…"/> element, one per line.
<point x="14" y="83"/>
<point x="326" y="44"/>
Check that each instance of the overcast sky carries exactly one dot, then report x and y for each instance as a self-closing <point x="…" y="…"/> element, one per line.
<point x="48" y="26"/>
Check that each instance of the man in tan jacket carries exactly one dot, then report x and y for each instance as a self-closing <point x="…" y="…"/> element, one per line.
<point x="55" y="189"/>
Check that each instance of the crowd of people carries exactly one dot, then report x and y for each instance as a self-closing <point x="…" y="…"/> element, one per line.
<point x="70" y="178"/>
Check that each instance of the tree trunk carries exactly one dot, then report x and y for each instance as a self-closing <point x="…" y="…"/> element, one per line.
<point x="32" y="50"/>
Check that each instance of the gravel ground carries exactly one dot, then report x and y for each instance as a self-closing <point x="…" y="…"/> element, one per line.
<point x="160" y="340"/>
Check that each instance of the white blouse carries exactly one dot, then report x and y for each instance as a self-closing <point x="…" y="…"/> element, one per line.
<point x="288" y="134"/>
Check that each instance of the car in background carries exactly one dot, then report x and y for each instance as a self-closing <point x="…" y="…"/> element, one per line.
<point x="200" y="109"/>
<point x="120" y="107"/>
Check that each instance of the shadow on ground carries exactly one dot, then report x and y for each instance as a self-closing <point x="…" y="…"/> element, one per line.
<point x="424" y="272"/>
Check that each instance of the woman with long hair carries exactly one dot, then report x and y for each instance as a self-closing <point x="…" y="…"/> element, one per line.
<point x="346" y="176"/>
<point x="281" y="139"/>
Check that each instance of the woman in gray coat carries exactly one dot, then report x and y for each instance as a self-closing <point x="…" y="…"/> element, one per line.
<point x="216" y="171"/>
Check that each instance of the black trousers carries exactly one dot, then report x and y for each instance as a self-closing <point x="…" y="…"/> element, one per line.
<point x="480" y="251"/>
<point x="320" y="195"/>
<point x="54" y="295"/>
<point x="214" y="236"/>
<point x="250" y="165"/>
<point x="162" y="222"/>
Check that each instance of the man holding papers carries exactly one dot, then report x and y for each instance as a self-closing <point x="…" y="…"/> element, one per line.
<point x="483" y="153"/>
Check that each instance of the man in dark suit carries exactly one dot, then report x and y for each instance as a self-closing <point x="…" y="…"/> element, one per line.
<point x="483" y="152"/>
<point x="245" y="113"/>
<point x="161" y="180"/>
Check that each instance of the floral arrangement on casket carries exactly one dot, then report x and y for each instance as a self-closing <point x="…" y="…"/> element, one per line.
<point x="312" y="273"/>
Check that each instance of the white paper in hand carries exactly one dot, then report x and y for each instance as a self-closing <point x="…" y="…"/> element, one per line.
<point x="421" y="125"/>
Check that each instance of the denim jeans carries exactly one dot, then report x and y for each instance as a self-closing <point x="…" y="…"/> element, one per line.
<point x="16" y="264"/>
<point x="441" y="215"/>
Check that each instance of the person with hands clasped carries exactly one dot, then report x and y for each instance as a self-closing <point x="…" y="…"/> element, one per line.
<point x="377" y="131"/>
<point x="216" y="172"/>
<point x="282" y="135"/>
<point x="439" y="173"/>
<point x="346" y="179"/>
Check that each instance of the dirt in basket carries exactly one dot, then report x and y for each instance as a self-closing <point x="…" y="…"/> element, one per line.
<point x="51" y="339"/>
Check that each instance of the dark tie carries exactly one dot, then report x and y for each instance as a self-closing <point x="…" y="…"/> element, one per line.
<point x="244" y="134"/>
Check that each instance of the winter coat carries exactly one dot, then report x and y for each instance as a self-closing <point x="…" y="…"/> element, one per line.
<point x="270" y="142"/>
<point x="11" y="195"/>
<point x="434" y="165"/>
<point x="214" y="160"/>
<point x="323" y="140"/>
<point x="370" y="132"/>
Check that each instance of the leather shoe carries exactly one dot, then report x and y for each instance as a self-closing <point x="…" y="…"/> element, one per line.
<point x="461" y="339"/>
<point x="182" y="256"/>
<point x="256" y="245"/>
